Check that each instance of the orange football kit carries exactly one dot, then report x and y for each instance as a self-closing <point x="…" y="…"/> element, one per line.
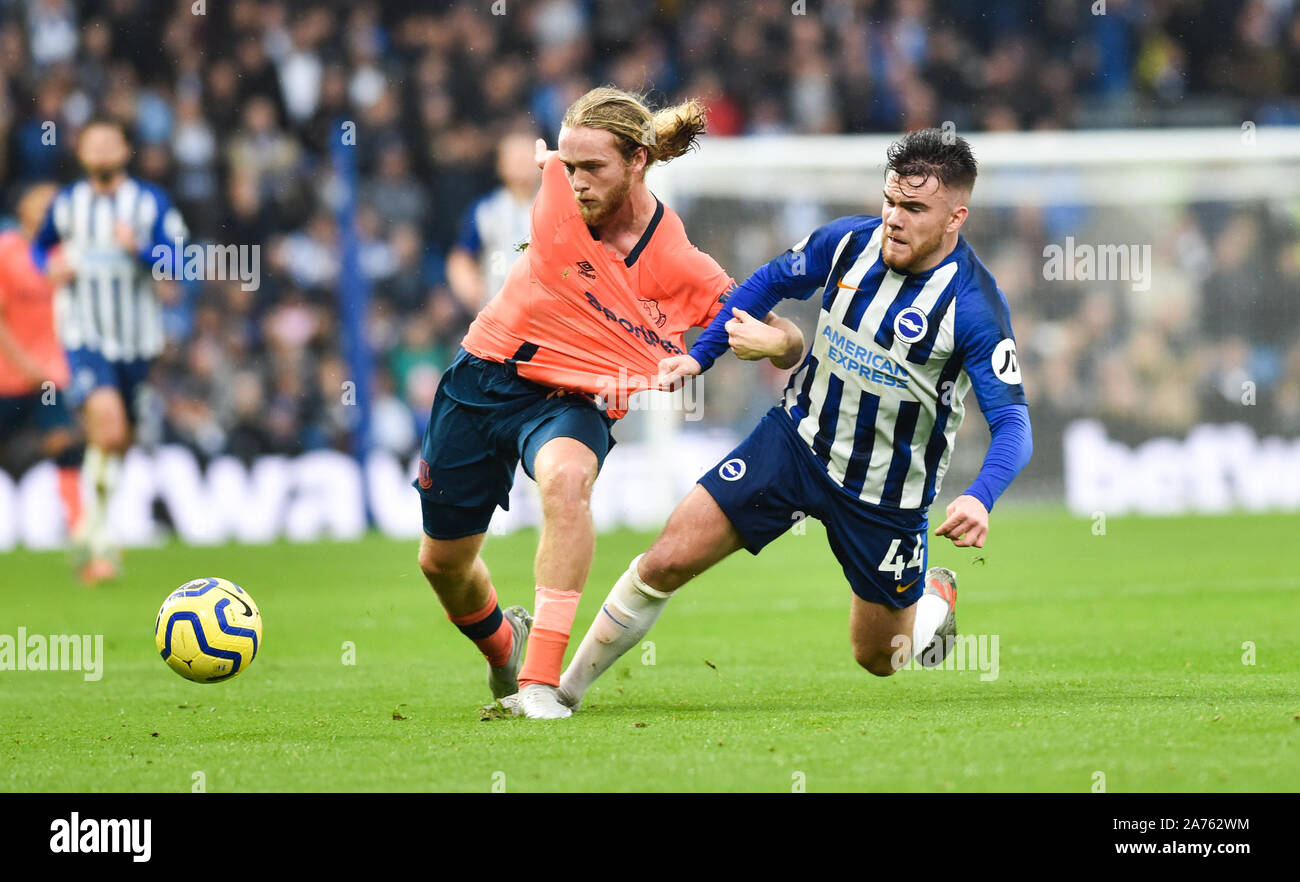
<point x="574" y="331"/>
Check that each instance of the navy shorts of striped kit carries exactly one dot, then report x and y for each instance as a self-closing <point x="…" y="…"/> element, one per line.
<point x="772" y="480"/>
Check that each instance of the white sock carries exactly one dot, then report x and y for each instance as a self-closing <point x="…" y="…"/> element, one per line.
<point x="931" y="610"/>
<point x="92" y="468"/>
<point x="628" y="613"/>
<point x="100" y="473"/>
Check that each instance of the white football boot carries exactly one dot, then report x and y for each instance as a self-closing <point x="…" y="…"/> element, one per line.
<point x="538" y="701"/>
<point x="504" y="681"/>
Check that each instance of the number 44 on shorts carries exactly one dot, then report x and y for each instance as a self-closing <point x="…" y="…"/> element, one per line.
<point x="893" y="562"/>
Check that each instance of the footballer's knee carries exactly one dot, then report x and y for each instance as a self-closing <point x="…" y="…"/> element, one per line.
<point x="874" y="660"/>
<point x="445" y="563"/>
<point x="697" y="535"/>
<point x="106" y="423"/>
<point x="662" y="569"/>
<point x="565" y="485"/>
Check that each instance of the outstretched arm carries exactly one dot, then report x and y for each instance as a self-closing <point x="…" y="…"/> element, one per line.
<point x="755" y="296"/>
<point x="797" y="273"/>
<point x="775" y="338"/>
<point x="735" y="328"/>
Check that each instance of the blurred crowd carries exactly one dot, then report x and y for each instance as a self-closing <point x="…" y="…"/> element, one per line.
<point x="1212" y="336"/>
<point x="238" y="110"/>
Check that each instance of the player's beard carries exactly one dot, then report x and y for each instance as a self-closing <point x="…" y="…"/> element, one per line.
<point x="606" y="208"/>
<point x="104" y="174"/>
<point x="917" y="253"/>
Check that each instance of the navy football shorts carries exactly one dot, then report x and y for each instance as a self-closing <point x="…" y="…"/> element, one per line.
<point x="772" y="480"/>
<point x="91" y="370"/>
<point x="18" y="412"/>
<point x="486" y="419"/>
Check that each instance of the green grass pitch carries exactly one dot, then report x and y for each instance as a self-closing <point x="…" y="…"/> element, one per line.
<point x="1123" y="654"/>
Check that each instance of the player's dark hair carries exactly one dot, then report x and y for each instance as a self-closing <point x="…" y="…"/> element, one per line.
<point x="936" y="153"/>
<point x="111" y="122"/>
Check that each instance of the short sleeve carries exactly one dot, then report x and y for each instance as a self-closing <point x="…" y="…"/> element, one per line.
<point x="709" y="283"/>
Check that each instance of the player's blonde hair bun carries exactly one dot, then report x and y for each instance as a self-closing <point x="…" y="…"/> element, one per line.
<point x="666" y="134"/>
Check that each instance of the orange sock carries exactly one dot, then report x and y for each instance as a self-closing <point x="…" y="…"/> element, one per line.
<point x="489" y="630"/>
<point x="552" y="622"/>
<point x="70" y="493"/>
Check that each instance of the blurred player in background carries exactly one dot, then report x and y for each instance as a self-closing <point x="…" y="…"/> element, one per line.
<point x="911" y="320"/>
<point x="609" y="286"/>
<point x="33" y="370"/>
<point x="495" y="229"/>
<point x="110" y="226"/>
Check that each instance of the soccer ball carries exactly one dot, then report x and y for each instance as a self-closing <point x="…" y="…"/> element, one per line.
<point x="208" y="630"/>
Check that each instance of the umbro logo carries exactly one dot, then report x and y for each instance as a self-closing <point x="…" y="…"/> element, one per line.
<point x="586" y="270"/>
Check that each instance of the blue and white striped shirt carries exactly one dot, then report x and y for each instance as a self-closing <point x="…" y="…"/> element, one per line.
<point x="493" y="230"/>
<point x="110" y="305"/>
<point x="879" y="397"/>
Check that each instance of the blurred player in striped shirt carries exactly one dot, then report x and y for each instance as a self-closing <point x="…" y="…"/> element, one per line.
<point x="109" y="226"/>
<point x="495" y="229"/>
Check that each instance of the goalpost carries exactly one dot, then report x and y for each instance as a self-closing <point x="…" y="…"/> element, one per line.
<point x="1099" y="167"/>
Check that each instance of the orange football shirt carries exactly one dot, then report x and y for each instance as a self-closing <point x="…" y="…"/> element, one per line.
<point x="27" y="310"/>
<point x="574" y="316"/>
